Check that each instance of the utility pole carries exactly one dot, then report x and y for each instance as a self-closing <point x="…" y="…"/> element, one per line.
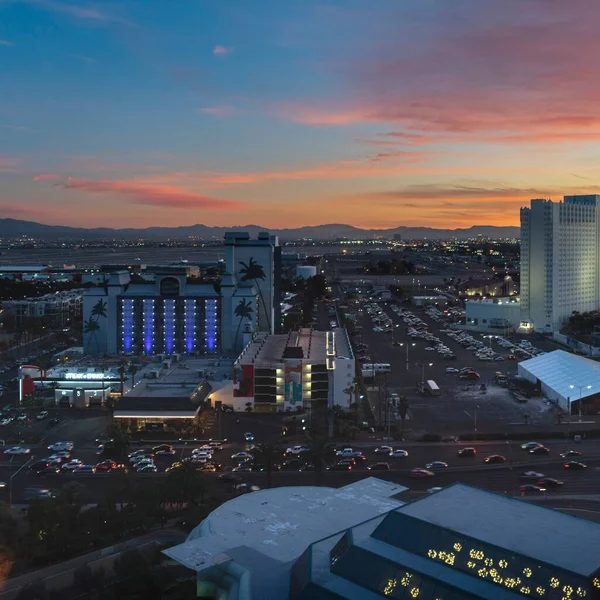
<point x="13" y="475"/>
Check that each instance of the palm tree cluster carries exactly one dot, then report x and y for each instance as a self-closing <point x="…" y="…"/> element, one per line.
<point x="254" y="272"/>
<point x="91" y="326"/>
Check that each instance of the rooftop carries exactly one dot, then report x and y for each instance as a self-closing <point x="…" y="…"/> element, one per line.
<point x="281" y="522"/>
<point x="167" y="406"/>
<point x="567" y="542"/>
<point x="559" y="370"/>
<point x="308" y="344"/>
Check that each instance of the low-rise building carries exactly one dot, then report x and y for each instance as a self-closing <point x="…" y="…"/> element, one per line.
<point x="58" y="310"/>
<point x="361" y="542"/>
<point x="301" y="369"/>
<point x="493" y="313"/>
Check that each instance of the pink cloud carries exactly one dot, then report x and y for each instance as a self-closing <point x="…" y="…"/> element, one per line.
<point x="45" y="177"/>
<point x="168" y="196"/>
<point x="218" y="111"/>
<point x="219" y="50"/>
<point x="483" y="72"/>
<point x="9" y="164"/>
<point x="26" y="210"/>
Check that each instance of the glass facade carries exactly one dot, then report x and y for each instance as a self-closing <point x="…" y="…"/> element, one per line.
<point x="504" y="568"/>
<point x="168" y="325"/>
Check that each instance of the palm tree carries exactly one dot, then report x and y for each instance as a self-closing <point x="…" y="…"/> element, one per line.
<point x="252" y="271"/>
<point x="402" y="410"/>
<point x="321" y="452"/>
<point x="268" y="455"/>
<point x="242" y="311"/>
<point x="90" y="327"/>
<point x="99" y="309"/>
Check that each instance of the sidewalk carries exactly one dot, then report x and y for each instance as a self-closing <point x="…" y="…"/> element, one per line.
<point x="60" y="575"/>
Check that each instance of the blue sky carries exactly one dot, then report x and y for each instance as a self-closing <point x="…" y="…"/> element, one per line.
<point x="288" y="113"/>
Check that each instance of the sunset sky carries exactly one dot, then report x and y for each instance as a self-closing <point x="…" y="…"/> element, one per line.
<point x="375" y="113"/>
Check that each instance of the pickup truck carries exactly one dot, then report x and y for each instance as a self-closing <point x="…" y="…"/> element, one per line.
<point x="348" y="453"/>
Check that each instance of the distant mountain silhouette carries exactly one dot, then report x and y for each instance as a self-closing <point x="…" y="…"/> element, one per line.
<point x="10" y="228"/>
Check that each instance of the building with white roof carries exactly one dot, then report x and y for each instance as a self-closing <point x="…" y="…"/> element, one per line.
<point x="247" y="547"/>
<point x="566" y="379"/>
<point x="460" y="543"/>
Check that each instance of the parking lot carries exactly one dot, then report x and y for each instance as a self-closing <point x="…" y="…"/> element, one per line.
<point x="411" y="346"/>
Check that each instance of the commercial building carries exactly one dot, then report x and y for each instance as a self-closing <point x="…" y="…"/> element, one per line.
<point x="56" y="310"/>
<point x="560" y="261"/>
<point x="248" y="548"/>
<point x="572" y="381"/>
<point x="362" y="542"/>
<point x="302" y="369"/>
<point x="172" y="313"/>
<point x="488" y="287"/>
<point x="306" y="271"/>
<point x="500" y="314"/>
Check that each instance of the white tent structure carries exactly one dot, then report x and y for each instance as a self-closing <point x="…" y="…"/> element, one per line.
<point x="564" y="377"/>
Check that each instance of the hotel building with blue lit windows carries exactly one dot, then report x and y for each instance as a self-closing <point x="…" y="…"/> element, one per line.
<point x="170" y="313"/>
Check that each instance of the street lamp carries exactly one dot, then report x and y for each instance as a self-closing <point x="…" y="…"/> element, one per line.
<point x="423" y="365"/>
<point x="394" y="329"/>
<point x="413" y="344"/>
<point x="579" y="387"/>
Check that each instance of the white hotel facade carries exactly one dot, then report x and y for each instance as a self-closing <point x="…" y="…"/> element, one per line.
<point x="560" y="260"/>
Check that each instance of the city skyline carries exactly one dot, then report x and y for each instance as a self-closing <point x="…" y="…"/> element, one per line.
<point x="133" y="114"/>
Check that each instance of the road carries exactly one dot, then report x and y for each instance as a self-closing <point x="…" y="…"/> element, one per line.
<point x="501" y="478"/>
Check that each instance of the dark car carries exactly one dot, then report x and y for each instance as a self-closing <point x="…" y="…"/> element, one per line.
<point x="341" y="466"/>
<point x="229" y="478"/>
<point x="39" y="465"/>
<point x="570" y="453"/>
<point x="48" y="470"/>
<point x="532" y="488"/>
<point x="467" y="452"/>
<point x="575" y="465"/>
<point x="494" y="458"/>
<point x="53" y="422"/>
<point x="148" y="469"/>
<point x="549" y="482"/>
<point x="291" y="465"/>
<point x="540" y="450"/>
<point x="381" y="466"/>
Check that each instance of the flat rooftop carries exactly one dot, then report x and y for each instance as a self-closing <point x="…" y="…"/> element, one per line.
<point x="266" y="350"/>
<point x="280" y="523"/>
<point x="544" y="534"/>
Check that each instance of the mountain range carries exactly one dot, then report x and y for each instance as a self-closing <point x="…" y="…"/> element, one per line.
<point x="11" y="228"/>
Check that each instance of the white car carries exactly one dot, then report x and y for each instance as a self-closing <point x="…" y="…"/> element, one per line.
<point x="72" y="465"/>
<point x="383" y="450"/>
<point x="398" y="453"/>
<point x="17" y="450"/>
<point x="60" y="446"/>
<point x="297" y="450"/>
<point x="241" y="456"/>
<point x="532" y="475"/>
<point x="61" y="456"/>
<point x="42" y="415"/>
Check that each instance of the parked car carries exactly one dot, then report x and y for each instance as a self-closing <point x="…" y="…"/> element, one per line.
<point x="83" y="469"/>
<point x="163" y="450"/>
<point x="42" y="415"/>
<point x="17" y="450"/>
<point x="71" y="465"/>
<point x="241" y="456"/>
<point x="147" y="469"/>
<point x="106" y="466"/>
<point x="249" y="437"/>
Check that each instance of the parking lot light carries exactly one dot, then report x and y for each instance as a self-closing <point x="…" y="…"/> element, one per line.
<point x="580" y="387"/>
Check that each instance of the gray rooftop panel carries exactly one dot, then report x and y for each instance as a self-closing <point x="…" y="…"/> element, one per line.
<point x="547" y="535"/>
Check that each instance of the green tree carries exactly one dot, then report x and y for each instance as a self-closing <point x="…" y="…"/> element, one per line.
<point x="253" y="271"/>
<point x="402" y="411"/>
<point x="121" y="442"/>
<point x="242" y="311"/>
<point x="268" y="455"/>
<point x="321" y="452"/>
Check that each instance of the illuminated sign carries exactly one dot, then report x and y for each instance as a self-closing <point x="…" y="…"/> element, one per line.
<point x="81" y="376"/>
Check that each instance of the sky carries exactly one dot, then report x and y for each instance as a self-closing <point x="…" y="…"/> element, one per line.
<point x="284" y="113"/>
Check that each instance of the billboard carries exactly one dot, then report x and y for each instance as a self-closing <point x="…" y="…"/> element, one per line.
<point x="293" y="385"/>
<point x="243" y="376"/>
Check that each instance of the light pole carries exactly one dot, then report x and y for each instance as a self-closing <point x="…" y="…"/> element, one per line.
<point x="423" y="365"/>
<point x="13" y="475"/>
<point x="407" y="346"/>
<point x="579" y="387"/>
<point x="393" y="330"/>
